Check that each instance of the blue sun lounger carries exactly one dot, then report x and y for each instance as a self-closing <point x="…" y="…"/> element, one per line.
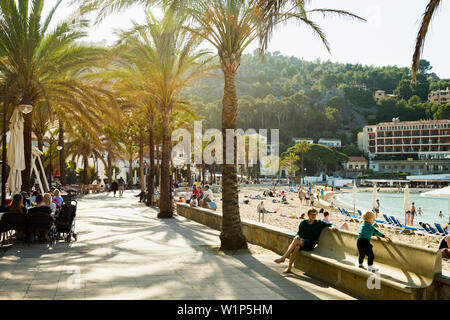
<point x="440" y="229"/>
<point x="405" y="227"/>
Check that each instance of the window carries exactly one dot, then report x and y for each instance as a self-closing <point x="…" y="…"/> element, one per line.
<point x="350" y="166"/>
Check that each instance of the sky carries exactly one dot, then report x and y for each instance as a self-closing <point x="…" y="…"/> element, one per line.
<point x="387" y="38"/>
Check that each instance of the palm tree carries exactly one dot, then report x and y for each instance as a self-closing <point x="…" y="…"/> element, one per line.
<point x="83" y="144"/>
<point x="431" y="9"/>
<point x="33" y="56"/>
<point x="301" y="149"/>
<point x="230" y="26"/>
<point x="172" y="62"/>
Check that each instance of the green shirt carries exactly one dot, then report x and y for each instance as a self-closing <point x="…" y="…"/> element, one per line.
<point x="367" y="230"/>
<point x="311" y="231"/>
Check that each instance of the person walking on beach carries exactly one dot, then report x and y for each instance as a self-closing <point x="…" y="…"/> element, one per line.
<point x="306" y="238"/>
<point x="301" y="195"/>
<point x="412" y="212"/>
<point x="366" y="231"/>
<point x="308" y="198"/>
<point x="114" y="187"/>
<point x="377" y="208"/>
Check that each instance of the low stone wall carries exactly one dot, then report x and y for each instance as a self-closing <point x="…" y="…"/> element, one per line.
<point x="412" y="270"/>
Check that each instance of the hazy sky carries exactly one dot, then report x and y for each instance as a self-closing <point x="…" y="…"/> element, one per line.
<point x="386" y="39"/>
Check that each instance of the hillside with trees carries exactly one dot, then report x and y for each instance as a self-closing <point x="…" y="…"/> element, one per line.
<point x="318" y="99"/>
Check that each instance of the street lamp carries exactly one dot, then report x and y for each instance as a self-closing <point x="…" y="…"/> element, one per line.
<point x="304" y="178"/>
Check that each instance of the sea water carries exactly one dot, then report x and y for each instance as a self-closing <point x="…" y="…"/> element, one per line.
<point x="392" y="205"/>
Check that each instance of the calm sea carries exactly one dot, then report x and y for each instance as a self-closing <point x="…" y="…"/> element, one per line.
<point x="392" y="204"/>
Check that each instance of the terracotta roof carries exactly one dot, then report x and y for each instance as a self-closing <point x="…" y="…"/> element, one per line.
<point x="357" y="159"/>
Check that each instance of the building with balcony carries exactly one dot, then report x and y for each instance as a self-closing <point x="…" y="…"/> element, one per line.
<point x="414" y="146"/>
<point x="441" y="96"/>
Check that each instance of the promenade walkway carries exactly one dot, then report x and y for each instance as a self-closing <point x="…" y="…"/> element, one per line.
<point x="124" y="252"/>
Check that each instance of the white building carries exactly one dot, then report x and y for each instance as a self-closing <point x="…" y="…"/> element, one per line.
<point x="308" y="140"/>
<point x="330" y="142"/>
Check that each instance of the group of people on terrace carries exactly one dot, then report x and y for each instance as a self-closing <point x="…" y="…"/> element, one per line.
<point x="48" y="203"/>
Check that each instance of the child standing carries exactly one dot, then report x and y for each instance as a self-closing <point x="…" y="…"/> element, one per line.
<point x="366" y="232"/>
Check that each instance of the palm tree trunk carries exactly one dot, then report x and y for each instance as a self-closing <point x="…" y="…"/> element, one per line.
<point x="85" y="170"/>
<point x="157" y="167"/>
<point x="40" y="141"/>
<point x="165" y="206"/>
<point x="189" y="178"/>
<point x="231" y="237"/>
<point x="27" y="129"/>
<point x="62" y="155"/>
<point x="151" y="175"/>
<point x="130" y="178"/>
<point x="203" y="173"/>
<point x="141" y="162"/>
<point x="109" y="169"/>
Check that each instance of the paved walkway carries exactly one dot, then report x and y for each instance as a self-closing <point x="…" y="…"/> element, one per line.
<point x="124" y="252"/>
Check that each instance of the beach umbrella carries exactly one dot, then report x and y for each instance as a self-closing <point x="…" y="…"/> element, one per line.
<point x="355" y="191"/>
<point x="135" y="177"/>
<point x="114" y="174"/>
<point x="444" y="192"/>
<point x="406" y="206"/>
<point x="102" y="178"/>
<point x="16" y="155"/>
<point x="374" y="195"/>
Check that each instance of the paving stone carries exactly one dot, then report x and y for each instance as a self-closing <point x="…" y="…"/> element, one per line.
<point x="124" y="252"/>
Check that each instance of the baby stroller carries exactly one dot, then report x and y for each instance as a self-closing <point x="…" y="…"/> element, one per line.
<point x="65" y="221"/>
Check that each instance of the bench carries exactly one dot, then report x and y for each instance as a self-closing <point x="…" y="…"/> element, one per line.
<point x="406" y="271"/>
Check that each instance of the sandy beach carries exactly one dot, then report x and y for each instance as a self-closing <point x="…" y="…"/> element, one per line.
<point x="287" y="216"/>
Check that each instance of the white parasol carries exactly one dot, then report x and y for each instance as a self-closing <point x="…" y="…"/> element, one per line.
<point x="114" y="174"/>
<point x="374" y="196"/>
<point x="135" y="177"/>
<point x="102" y="178"/>
<point x="355" y="191"/>
<point x="406" y="205"/>
<point x="16" y="155"/>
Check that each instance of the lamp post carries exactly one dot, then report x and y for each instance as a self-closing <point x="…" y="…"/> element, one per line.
<point x="304" y="178"/>
<point x="51" y="160"/>
<point x="59" y="148"/>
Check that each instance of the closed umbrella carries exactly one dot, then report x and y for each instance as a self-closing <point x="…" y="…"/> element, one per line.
<point x="406" y="206"/>
<point x="374" y="195"/>
<point x="16" y="155"/>
<point x="114" y="174"/>
<point x="135" y="177"/>
<point x="355" y="191"/>
<point x="102" y="178"/>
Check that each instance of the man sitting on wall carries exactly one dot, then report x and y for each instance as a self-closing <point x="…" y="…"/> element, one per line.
<point x="208" y="196"/>
<point x="306" y="238"/>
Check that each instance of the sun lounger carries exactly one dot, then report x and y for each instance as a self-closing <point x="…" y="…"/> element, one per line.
<point x="441" y="230"/>
<point x="429" y="232"/>
<point x="404" y="228"/>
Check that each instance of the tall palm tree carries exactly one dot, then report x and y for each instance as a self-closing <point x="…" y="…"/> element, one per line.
<point x="172" y="61"/>
<point x="431" y="9"/>
<point x="230" y="26"/>
<point x="32" y="55"/>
